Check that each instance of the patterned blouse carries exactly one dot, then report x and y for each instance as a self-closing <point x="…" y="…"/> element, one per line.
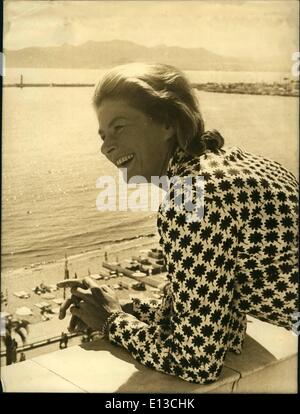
<point x="240" y="258"/>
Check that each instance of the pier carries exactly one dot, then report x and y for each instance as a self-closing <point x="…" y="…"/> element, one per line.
<point x="287" y="87"/>
<point x="46" y="85"/>
<point x="22" y="84"/>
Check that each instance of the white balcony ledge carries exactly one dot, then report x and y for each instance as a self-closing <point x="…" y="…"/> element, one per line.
<point x="268" y="364"/>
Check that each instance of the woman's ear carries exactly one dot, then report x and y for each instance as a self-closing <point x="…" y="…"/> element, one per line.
<point x="169" y="131"/>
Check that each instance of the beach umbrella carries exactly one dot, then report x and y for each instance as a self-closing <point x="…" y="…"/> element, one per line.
<point x="139" y="274"/>
<point x="24" y="311"/>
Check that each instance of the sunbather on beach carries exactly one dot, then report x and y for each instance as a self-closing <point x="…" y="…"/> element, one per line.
<point x="234" y="254"/>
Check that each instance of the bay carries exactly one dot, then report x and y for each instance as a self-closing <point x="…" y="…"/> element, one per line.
<point x="51" y="160"/>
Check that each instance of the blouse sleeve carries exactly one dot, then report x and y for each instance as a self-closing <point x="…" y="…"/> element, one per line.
<point x="152" y="310"/>
<point x="202" y="323"/>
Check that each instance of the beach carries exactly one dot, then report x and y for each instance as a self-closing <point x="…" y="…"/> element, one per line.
<point x="25" y="279"/>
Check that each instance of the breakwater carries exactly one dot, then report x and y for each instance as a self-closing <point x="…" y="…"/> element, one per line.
<point x="45" y="85"/>
<point x="288" y="88"/>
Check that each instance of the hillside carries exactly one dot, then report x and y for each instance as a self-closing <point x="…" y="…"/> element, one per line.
<point x="97" y="55"/>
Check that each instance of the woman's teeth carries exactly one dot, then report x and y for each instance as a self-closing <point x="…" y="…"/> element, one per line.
<point x="123" y="159"/>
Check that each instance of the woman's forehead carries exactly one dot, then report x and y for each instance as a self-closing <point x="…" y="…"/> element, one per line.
<point x="111" y="109"/>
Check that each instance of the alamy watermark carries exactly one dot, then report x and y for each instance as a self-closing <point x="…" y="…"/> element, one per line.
<point x="296" y="324"/>
<point x="296" y="65"/>
<point x="2" y="324"/>
<point x="2" y="64"/>
<point x="183" y="194"/>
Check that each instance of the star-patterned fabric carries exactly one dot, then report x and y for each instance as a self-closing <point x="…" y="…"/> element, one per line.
<point x="239" y="259"/>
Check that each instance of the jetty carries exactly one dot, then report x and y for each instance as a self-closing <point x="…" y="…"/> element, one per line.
<point x="46" y="85"/>
<point x="286" y="87"/>
<point x="22" y="84"/>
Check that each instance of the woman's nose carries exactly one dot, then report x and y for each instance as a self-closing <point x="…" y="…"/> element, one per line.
<point x="107" y="148"/>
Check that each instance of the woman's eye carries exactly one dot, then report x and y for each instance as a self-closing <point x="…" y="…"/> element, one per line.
<point x="119" y="128"/>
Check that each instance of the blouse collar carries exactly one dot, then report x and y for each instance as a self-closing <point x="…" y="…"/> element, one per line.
<point x="179" y="158"/>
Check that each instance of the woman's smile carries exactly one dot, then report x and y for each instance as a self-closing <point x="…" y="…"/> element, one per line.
<point x="124" y="160"/>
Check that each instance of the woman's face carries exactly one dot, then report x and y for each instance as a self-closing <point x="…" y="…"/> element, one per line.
<point x="132" y="140"/>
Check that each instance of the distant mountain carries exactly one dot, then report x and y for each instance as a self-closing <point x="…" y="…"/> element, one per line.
<point x="98" y="55"/>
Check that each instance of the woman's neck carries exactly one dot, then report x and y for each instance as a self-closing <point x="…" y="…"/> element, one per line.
<point x="168" y="157"/>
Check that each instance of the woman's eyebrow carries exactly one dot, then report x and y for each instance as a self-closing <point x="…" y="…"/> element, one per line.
<point x="112" y="122"/>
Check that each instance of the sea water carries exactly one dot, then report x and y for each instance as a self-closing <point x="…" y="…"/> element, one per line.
<point x="51" y="160"/>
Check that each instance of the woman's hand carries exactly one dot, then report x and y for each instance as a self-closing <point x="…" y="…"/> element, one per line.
<point x="90" y="304"/>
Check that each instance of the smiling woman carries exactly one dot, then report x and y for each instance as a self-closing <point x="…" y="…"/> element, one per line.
<point x="237" y="257"/>
<point x="146" y="111"/>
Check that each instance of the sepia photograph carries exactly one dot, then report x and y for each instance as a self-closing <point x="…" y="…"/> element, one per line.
<point x="150" y="181"/>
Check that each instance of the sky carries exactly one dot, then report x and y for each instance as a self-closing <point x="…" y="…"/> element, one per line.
<point x="260" y="29"/>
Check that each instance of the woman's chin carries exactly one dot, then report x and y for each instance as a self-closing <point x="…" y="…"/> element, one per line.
<point x="134" y="177"/>
<point x="128" y="175"/>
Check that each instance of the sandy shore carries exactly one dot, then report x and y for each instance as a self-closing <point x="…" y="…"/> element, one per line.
<point x="24" y="279"/>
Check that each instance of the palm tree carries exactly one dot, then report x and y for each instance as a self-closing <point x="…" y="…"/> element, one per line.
<point x="18" y="327"/>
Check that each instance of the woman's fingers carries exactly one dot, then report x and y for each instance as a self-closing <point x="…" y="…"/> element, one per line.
<point x="73" y="300"/>
<point x="92" y="316"/>
<point x="91" y="299"/>
<point x="69" y="283"/>
<point x="80" y="293"/>
<point x="76" y="325"/>
<point x="83" y="312"/>
<point x="73" y="322"/>
<point x="84" y="294"/>
<point x="106" y="289"/>
<point x="90" y="283"/>
<point x="81" y="326"/>
<point x="98" y="291"/>
<point x="86" y="284"/>
<point x="64" y="307"/>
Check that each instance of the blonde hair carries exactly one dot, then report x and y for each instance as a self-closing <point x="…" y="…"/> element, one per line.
<point x="162" y="92"/>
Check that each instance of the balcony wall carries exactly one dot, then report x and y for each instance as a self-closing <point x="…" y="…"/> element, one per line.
<point x="268" y="364"/>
